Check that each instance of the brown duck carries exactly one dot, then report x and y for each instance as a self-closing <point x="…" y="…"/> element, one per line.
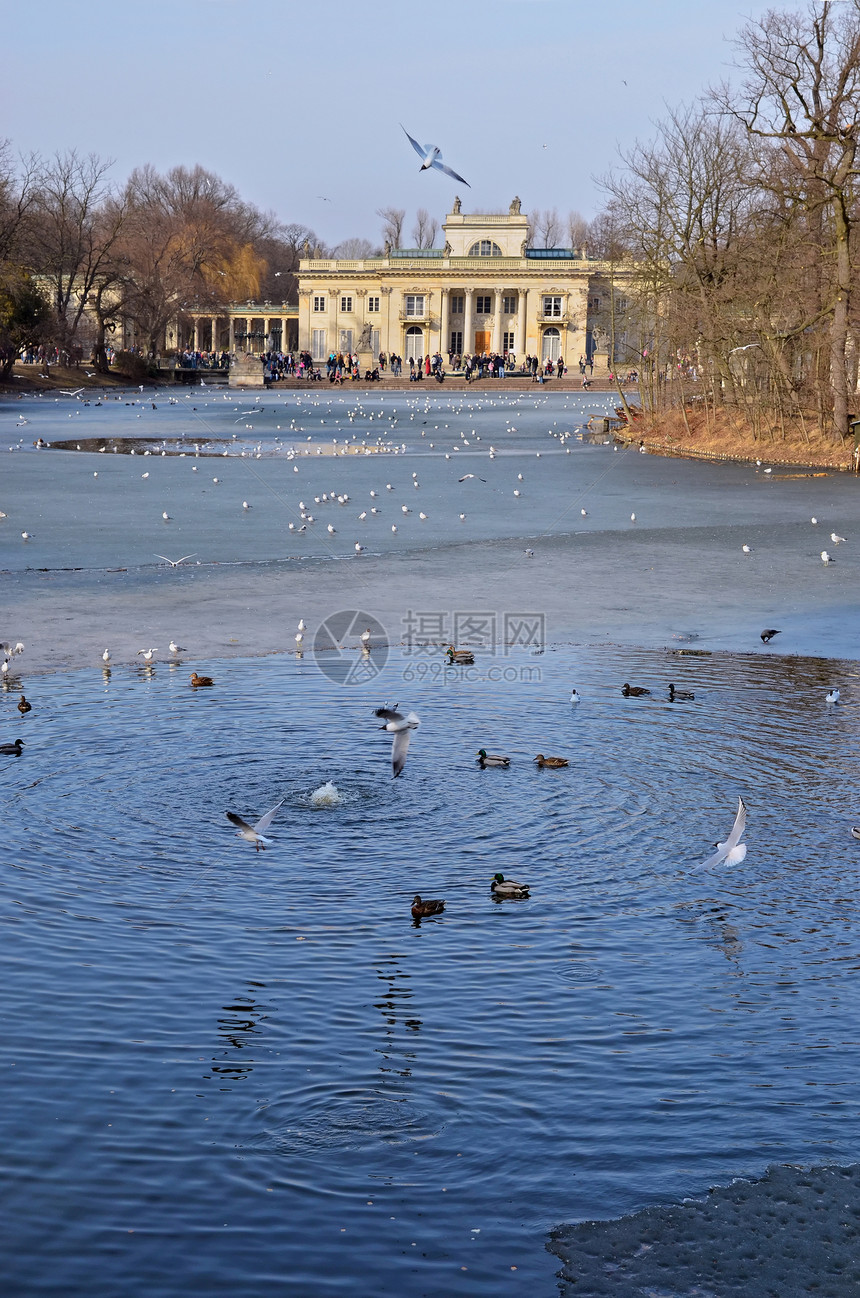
<point x="634" y="691"/>
<point x="421" y="909"/>
<point x="24" y="706"/>
<point x="552" y="762"/>
<point x="197" y="681"/>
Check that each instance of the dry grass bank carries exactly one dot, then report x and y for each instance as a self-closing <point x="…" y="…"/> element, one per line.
<point x="727" y="436"/>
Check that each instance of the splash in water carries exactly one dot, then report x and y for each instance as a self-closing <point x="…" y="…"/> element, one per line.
<point x="325" y="796"/>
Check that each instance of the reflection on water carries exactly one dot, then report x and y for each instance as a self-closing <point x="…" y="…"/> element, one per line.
<point x="198" y="1034"/>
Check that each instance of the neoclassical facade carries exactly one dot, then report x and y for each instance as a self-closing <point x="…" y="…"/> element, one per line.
<point x="485" y="291"/>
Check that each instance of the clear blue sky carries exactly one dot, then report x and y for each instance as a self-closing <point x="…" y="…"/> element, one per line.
<point x="296" y="101"/>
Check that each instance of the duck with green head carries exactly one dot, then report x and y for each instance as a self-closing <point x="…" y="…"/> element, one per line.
<point x="491" y="759"/>
<point x="502" y="887"/>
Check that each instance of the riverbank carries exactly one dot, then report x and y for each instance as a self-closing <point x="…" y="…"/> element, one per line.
<point x="695" y="435"/>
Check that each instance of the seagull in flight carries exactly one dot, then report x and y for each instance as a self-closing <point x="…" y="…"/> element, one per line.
<point x="400" y="726"/>
<point x="254" y="833"/>
<point x="174" y="563"/>
<point x="732" y="851"/>
<point x="431" y="156"/>
<point x="65" y="392"/>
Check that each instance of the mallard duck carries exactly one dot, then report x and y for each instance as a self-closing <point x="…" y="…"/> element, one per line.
<point x="492" y="759"/>
<point x="197" y="681"/>
<point x="684" y="695"/>
<point x="421" y="909"/>
<point x="24" y="706"/>
<point x="633" y="691"/>
<point x="502" y="887"/>
<point x="13" y="749"/>
<point x="462" y="657"/>
<point x="552" y="762"/>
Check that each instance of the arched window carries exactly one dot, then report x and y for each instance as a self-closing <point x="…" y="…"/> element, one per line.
<point x="414" y="342"/>
<point x="551" y="344"/>
<point x="485" y="248"/>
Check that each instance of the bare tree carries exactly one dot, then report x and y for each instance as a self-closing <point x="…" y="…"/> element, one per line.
<point x="392" y="224"/>
<point x="577" y="231"/>
<point x="544" y="228"/>
<point x="18" y="189"/>
<point x="425" y="229"/>
<point x="800" y="93"/>
<point x="75" y="227"/>
<point x="353" y="249"/>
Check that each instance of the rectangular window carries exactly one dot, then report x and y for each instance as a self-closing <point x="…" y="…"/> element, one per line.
<point x="346" y="340"/>
<point x="509" y="305"/>
<point x="374" y="341"/>
<point x="319" y="304"/>
<point x="414" y="304"/>
<point x="346" y="304"/>
<point x="483" y="305"/>
<point x="594" y="304"/>
<point x="318" y="350"/>
<point x="621" y="303"/>
<point x="507" y="342"/>
<point x="552" y="307"/>
<point x="373" y="304"/>
<point x="456" y="342"/>
<point x="458" y="304"/>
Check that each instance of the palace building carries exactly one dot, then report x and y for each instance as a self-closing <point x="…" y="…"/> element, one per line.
<point x="485" y="291"/>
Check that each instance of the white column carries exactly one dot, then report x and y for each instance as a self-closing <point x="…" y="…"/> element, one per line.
<point x="444" y="322"/>
<point x="231" y="342"/>
<point x="497" y="321"/>
<point x="468" y="325"/>
<point x="520" y="339"/>
<point x="214" y="343"/>
<point x="196" y="333"/>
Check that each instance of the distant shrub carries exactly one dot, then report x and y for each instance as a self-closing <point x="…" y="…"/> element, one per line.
<point x="132" y="366"/>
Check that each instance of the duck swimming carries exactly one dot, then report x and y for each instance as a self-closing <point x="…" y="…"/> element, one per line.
<point x="462" y="657"/>
<point x="553" y="763"/>
<point x="634" y="691"/>
<point x="197" y="681"/>
<point x="13" y="749"/>
<point x="492" y="759"/>
<point x="421" y="909"/>
<point x="684" y="695"/>
<point x="502" y="887"/>
<point x="24" y="706"/>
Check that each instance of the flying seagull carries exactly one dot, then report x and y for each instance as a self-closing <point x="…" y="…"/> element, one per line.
<point x="254" y="833"/>
<point x="398" y="725"/>
<point x="431" y="156"/>
<point x="174" y="563"/>
<point x="732" y="851"/>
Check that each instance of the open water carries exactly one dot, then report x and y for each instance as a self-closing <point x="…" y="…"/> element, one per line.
<point x="237" y="1072"/>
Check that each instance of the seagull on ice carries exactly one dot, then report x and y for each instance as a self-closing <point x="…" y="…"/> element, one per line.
<point x="431" y="156"/>
<point x="106" y="657"/>
<point x="177" y="648"/>
<point x="732" y="851"/>
<point x="400" y="726"/>
<point x="836" y="539"/>
<point x="254" y="833"/>
<point x="147" y="654"/>
<point x="825" y="557"/>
